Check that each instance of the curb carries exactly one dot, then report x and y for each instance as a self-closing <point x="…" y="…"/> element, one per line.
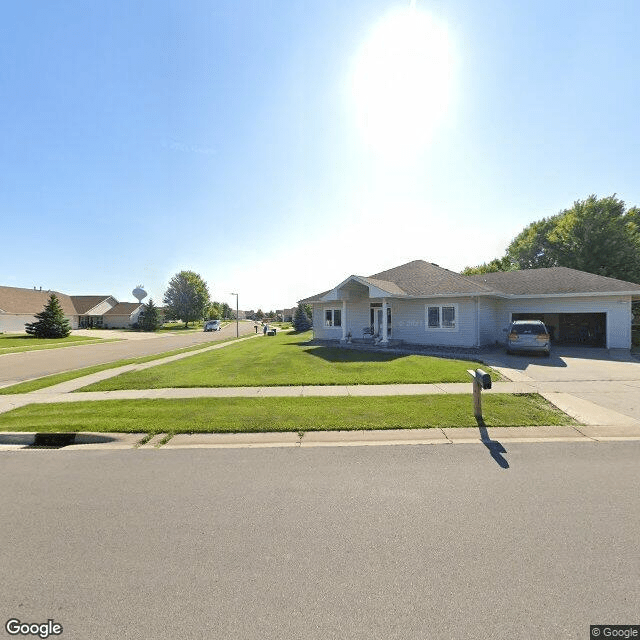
<point x="439" y="435"/>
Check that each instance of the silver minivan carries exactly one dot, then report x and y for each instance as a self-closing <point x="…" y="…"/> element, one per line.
<point x="528" y="335"/>
<point x="212" y="325"/>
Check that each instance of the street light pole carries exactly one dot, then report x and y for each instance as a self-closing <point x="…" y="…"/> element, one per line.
<point x="237" y="316"/>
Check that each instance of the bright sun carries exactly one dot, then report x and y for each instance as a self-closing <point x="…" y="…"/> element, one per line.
<point x="401" y="82"/>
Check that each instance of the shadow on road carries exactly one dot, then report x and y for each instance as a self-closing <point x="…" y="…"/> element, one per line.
<point x="495" y="448"/>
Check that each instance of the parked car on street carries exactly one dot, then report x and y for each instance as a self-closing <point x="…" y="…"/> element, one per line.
<point x="528" y="335"/>
<point x="212" y="325"/>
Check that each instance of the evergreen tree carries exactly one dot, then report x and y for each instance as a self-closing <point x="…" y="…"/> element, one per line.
<point x="51" y="321"/>
<point x="151" y="318"/>
<point x="301" y="321"/>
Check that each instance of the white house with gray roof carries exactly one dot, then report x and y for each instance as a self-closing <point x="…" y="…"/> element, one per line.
<point x="18" y="306"/>
<point x="420" y="303"/>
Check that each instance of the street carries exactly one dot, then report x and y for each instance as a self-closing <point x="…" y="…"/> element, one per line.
<point x="16" y="367"/>
<point x="405" y="542"/>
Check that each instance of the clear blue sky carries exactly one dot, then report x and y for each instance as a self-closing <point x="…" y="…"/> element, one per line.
<point x="276" y="147"/>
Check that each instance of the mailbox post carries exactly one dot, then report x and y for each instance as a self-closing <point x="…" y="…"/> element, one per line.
<point x="481" y="380"/>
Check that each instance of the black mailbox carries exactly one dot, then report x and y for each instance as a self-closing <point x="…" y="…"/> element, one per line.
<point x="483" y="378"/>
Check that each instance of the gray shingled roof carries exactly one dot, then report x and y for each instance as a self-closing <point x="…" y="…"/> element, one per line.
<point x="123" y="309"/>
<point x="85" y="303"/>
<point x="32" y="301"/>
<point x="552" y="280"/>
<point x="420" y="278"/>
<point x="424" y="279"/>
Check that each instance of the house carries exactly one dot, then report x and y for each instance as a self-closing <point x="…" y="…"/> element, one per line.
<point x="420" y="303"/>
<point x="18" y="306"/>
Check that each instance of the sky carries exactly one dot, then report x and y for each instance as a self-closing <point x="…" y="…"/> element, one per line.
<point x="277" y="147"/>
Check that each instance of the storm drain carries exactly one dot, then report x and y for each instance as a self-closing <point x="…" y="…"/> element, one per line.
<point x="53" y="440"/>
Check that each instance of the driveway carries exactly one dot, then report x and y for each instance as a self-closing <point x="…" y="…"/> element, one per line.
<point x="610" y="380"/>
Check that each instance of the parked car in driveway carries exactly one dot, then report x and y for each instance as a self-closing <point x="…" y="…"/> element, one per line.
<point x="212" y="325"/>
<point x="528" y="335"/>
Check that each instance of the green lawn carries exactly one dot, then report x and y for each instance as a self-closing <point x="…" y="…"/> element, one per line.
<point x="281" y="414"/>
<point x="287" y="359"/>
<point x="15" y="343"/>
<point x="56" y="378"/>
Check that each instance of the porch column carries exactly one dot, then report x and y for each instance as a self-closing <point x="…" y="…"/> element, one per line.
<point x="385" y="338"/>
<point x="344" y="320"/>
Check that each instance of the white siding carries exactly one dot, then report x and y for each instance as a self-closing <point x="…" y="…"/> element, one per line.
<point x="14" y="322"/>
<point x="102" y="308"/>
<point x="409" y="322"/>
<point x="617" y="308"/>
<point x="490" y="327"/>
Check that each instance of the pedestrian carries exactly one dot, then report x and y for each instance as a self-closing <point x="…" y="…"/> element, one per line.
<point x="265" y="328"/>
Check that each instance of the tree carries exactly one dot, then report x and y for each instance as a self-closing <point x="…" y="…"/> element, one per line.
<point x="226" y="310"/>
<point x="214" y="311"/>
<point x="51" y="321"/>
<point x="301" y="321"/>
<point x="151" y="318"/>
<point x="596" y="235"/>
<point x="187" y="297"/>
<point x="259" y="314"/>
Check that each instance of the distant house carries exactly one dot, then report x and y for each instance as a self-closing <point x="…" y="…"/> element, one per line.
<point x="18" y="306"/>
<point x="286" y="314"/>
<point x="423" y="304"/>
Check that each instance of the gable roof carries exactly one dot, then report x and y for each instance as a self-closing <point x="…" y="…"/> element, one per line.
<point x="32" y="301"/>
<point x="425" y="279"/>
<point x="85" y="303"/>
<point x="420" y="278"/>
<point x="123" y="309"/>
<point x="553" y="280"/>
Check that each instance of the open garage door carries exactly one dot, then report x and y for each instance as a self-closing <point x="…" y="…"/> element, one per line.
<point x="585" y="329"/>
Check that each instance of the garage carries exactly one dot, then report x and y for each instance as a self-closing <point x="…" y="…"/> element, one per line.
<point x="584" y="329"/>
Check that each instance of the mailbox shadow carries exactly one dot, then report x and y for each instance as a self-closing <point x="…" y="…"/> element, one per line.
<point x="495" y="448"/>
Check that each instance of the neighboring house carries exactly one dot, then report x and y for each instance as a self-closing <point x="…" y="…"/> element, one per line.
<point x="19" y="306"/>
<point x="421" y="303"/>
<point x="286" y="314"/>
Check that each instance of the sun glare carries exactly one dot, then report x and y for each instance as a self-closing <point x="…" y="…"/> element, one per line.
<point x="401" y="82"/>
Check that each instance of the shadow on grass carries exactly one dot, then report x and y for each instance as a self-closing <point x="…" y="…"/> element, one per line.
<point x="496" y="449"/>
<point x="331" y="354"/>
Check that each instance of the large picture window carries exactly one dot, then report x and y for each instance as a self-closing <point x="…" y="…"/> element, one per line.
<point x="441" y="317"/>
<point x="333" y="318"/>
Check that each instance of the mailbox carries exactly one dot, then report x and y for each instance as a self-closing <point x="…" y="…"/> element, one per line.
<point x="483" y="378"/>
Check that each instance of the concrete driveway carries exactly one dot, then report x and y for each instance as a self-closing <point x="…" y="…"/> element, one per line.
<point x="608" y="379"/>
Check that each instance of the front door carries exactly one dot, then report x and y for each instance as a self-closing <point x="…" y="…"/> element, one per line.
<point x="376" y="321"/>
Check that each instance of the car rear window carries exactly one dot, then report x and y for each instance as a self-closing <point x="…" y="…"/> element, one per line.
<point x="528" y="329"/>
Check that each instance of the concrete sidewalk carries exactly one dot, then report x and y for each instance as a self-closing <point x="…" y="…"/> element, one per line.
<point x="600" y="423"/>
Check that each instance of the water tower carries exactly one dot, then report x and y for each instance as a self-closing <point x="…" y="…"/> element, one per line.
<point x="139" y="293"/>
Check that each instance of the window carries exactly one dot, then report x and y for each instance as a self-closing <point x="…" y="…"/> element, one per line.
<point x="333" y="318"/>
<point x="442" y="317"/>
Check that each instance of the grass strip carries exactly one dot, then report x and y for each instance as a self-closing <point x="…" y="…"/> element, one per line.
<point x="56" y="378"/>
<point x="19" y="347"/>
<point x="288" y="359"/>
<point x="249" y="415"/>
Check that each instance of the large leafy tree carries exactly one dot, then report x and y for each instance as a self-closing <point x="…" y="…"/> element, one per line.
<point x="187" y="297"/>
<point x="51" y="321"/>
<point x="598" y="235"/>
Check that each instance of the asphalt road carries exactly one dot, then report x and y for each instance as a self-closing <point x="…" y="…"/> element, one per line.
<point x="16" y="367"/>
<point x="404" y="542"/>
